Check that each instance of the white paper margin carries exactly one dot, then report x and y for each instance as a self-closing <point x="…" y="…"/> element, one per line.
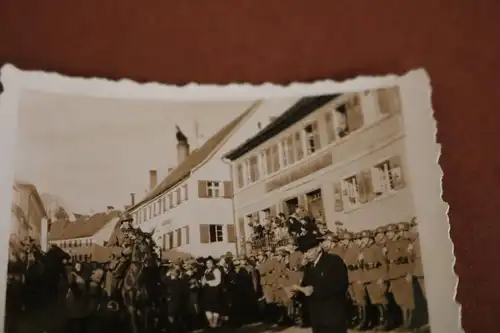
<point x="422" y="153"/>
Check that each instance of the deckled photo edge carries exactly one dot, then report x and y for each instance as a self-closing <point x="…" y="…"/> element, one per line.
<point x="420" y="145"/>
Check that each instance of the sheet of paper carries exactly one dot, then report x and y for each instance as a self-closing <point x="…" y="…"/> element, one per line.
<point x="101" y="176"/>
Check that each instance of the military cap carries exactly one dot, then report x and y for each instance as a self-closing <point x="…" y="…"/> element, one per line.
<point x="380" y="230"/>
<point x="126" y="217"/>
<point x="229" y="254"/>
<point x="365" y="233"/>
<point x="413" y="222"/>
<point x="339" y="223"/>
<point x="391" y="227"/>
<point x="347" y="235"/>
<point x="403" y="226"/>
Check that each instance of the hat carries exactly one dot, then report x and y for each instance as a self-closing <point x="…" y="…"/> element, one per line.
<point x="380" y="230"/>
<point x="391" y="227"/>
<point x="229" y="254"/>
<point x="403" y="226"/>
<point x="365" y="234"/>
<point x="413" y="221"/>
<point x="307" y="242"/>
<point x="126" y="217"/>
<point x="347" y="235"/>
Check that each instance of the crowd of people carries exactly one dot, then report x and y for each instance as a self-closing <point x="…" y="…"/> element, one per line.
<point x="385" y="280"/>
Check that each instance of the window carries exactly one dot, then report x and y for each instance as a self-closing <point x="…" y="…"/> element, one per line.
<point x="185" y="191"/>
<point x="179" y="237"/>
<point x="312" y="137"/>
<point x="170" y="200"/>
<point x="158" y="206"/>
<point x="268" y="161"/>
<point x="164" y="199"/>
<point x="149" y="211"/>
<point x="164" y="242"/>
<point x="287" y="151"/>
<point x="215" y="233"/>
<point x="348" y="117"/>
<point x="253" y="167"/>
<point x="387" y="177"/>
<point x="213" y="189"/>
<point x="170" y="240"/>
<point x="239" y="175"/>
<point x="299" y="150"/>
<point x="275" y="157"/>
<point x="178" y="196"/>
<point x="350" y="191"/>
<point x="330" y="130"/>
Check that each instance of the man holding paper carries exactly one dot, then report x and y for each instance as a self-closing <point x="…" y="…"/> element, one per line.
<point x="325" y="284"/>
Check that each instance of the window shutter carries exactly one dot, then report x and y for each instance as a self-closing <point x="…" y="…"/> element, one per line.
<point x="272" y="210"/>
<point x="185" y="192"/>
<point x="204" y="233"/>
<point x="354" y="114"/>
<point x="179" y="237"/>
<point x="228" y="189"/>
<point x="241" y="226"/>
<point x="178" y="196"/>
<point x="231" y="235"/>
<point x="361" y="188"/>
<point x="170" y="200"/>
<point x="186" y="229"/>
<point x="368" y="185"/>
<point x="337" y="192"/>
<point x="301" y="200"/>
<point x="397" y="172"/>
<point x="202" y="189"/>
<point x="389" y="101"/>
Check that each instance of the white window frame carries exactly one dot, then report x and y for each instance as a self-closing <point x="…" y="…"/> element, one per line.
<point x="214" y="189"/>
<point x="219" y="233"/>
<point x="314" y="123"/>
<point x="347" y="187"/>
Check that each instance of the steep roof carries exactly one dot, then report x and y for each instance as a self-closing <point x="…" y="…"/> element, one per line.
<point x="298" y="111"/>
<point x="195" y="158"/>
<point x="82" y="227"/>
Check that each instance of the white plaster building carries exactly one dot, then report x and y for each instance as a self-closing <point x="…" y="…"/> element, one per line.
<point x="340" y="156"/>
<point x="86" y="235"/>
<point x="191" y="209"/>
<point x="29" y="217"/>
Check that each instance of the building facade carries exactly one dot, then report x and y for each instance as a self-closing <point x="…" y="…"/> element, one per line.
<point x="29" y="218"/>
<point x="87" y="234"/>
<point x="342" y="157"/>
<point x="191" y="210"/>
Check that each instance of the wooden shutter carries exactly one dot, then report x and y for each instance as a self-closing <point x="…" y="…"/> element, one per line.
<point x="366" y="176"/>
<point x="241" y="226"/>
<point x="170" y="200"/>
<point x="204" y="233"/>
<point x="178" y="196"/>
<point x="388" y="100"/>
<point x="231" y="234"/>
<point x="337" y="193"/>
<point x="186" y="229"/>
<point x="397" y="172"/>
<point x="202" y="189"/>
<point x="361" y="188"/>
<point x="179" y="237"/>
<point x="185" y="192"/>
<point x="171" y="240"/>
<point x="272" y="210"/>
<point x="228" y="189"/>
<point x="354" y="114"/>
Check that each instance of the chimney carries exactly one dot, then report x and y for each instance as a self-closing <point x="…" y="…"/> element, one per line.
<point x="182" y="146"/>
<point x="132" y="199"/>
<point x="170" y="170"/>
<point x="153" y="179"/>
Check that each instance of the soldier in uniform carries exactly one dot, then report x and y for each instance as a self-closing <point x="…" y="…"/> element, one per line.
<point x="356" y="287"/>
<point x="294" y="277"/>
<point x="400" y="271"/>
<point x="414" y="249"/>
<point x="266" y="269"/>
<point x="336" y="246"/>
<point x="375" y="274"/>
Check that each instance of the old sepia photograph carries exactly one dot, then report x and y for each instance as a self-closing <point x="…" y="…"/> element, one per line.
<point x="298" y="211"/>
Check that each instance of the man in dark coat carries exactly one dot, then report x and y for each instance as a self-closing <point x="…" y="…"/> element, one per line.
<point x="324" y="284"/>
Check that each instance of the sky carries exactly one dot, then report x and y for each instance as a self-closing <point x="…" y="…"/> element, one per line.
<point x="93" y="152"/>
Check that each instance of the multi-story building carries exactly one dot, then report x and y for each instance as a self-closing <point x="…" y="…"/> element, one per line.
<point x="191" y="209"/>
<point x="86" y="235"/>
<point x="342" y="157"/>
<point x="29" y="218"/>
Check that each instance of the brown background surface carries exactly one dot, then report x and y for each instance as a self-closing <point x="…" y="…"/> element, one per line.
<point x="457" y="41"/>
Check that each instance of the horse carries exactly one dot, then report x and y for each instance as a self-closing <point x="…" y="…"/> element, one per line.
<point x="138" y="287"/>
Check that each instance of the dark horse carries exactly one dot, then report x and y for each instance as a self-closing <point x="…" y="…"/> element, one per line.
<point x="138" y="289"/>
